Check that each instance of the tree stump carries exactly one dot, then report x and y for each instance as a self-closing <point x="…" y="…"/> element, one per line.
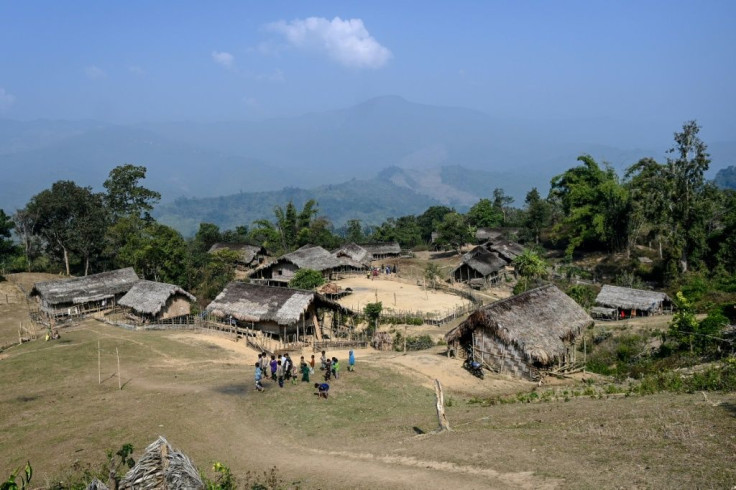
<point x="442" y="418"/>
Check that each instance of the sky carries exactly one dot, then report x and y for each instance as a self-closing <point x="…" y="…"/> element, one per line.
<point x="662" y="62"/>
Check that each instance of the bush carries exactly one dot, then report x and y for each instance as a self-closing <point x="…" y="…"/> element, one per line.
<point x="421" y="342"/>
<point x="582" y="294"/>
<point x="306" y="279"/>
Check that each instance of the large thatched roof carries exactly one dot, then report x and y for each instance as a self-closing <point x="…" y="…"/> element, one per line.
<point x="149" y="297"/>
<point x="483" y="261"/>
<point x="506" y="249"/>
<point x="629" y="299"/>
<point x="485" y="234"/>
<point x="85" y="289"/>
<point x="538" y="321"/>
<point x="354" y="252"/>
<point x="376" y="249"/>
<point x="257" y="303"/>
<point x="310" y="257"/>
<point x="162" y="468"/>
<point x="246" y="251"/>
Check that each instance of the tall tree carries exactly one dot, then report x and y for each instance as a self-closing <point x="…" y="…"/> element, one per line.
<point x="501" y="202"/>
<point x="431" y="219"/>
<point x="454" y="231"/>
<point x="484" y="214"/>
<point x="125" y="196"/>
<point x="531" y="267"/>
<point x="66" y="216"/>
<point x="24" y="225"/>
<point x="537" y="213"/>
<point x="354" y="231"/>
<point x="7" y="248"/>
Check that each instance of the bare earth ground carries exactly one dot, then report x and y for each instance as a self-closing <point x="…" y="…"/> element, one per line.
<point x="373" y="432"/>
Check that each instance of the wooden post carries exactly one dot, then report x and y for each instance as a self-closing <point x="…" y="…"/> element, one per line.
<point x="585" y="353"/>
<point x="441" y="417"/>
<point x="99" y="367"/>
<point x="404" y="339"/>
<point x="20" y="333"/>
<point x="120" y="386"/>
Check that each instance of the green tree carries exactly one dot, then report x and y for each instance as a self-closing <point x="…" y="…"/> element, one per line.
<point x="484" y="214"/>
<point x="595" y="206"/>
<point x="501" y="203"/>
<point x="537" y="213"/>
<point x="454" y="232"/>
<point x="125" y="196"/>
<point x="354" y="231"/>
<point x="7" y="247"/>
<point x="207" y="235"/>
<point x="68" y="218"/>
<point x="237" y="235"/>
<point x="25" y="223"/>
<point x="306" y="279"/>
<point x="684" y="325"/>
<point x="372" y="312"/>
<point x="430" y="220"/>
<point x="531" y="267"/>
<point x="432" y="274"/>
<point x="212" y="276"/>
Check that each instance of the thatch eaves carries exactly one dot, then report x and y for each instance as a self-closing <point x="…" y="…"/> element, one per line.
<point x="539" y="322"/>
<point x="309" y="257"/>
<point x="149" y="297"/>
<point x="482" y="261"/>
<point x="79" y="290"/>
<point x="354" y="252"/>
<point x="378" y="249"/>
<point x="507" y="249"/>
<point x="630" y="299"/>
<point x="246" y="251"/>
<point x="487" y="234"/>
<point x="162" y="468"/>
<point x="256" y="303"/>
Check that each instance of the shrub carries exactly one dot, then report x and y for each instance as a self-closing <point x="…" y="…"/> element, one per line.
<point x="306" y="279"/>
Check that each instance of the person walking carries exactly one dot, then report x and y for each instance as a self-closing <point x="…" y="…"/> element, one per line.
<point x="274" y="365"/>
<point x="305" y="371"/>
<point x="311" y="365"/>
<point x="351" y="361"/>
<point x="328" y="369"/>
<point x="258" y="376"/>
<point x="280" y="373"/>
<point x="323" y="361"/>
<point x="335" y="367"/>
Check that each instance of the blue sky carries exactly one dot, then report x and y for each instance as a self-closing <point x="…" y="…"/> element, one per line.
<point x="135" y="61"/>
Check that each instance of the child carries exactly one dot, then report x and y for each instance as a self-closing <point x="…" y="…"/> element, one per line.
<point x="258" y="376"/>
<point x="280" y="373"/>
<point x="323" y="361"/>
<point x="335" y="367"/>
<point x="274" y="365"/>
<point x="311" y="365"/>
<point x="351" y="361"/>
<point x="328" y="369"/>
<point x="322" y="390"/>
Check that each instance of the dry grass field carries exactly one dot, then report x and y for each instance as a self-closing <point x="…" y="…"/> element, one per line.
<point x="373" y="432"/>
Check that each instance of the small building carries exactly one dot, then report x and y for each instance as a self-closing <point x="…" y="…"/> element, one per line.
<point x="525" y="334"/>
<point x="250" y="256"/>
<point x="150" y="301"/>
<point x="83" y="295"/>
<point x="356" y="255"/>
<point x="506" y="249"/>
<point x="281" y="271"/>
<point x="484" y="234"/>
<point x="383" y="250"/>
<point x="621" y="302"/>
<point x="480" y="266"/>
<point x="281" y="312"/>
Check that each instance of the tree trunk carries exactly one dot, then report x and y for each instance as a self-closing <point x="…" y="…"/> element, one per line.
<point x="442" y="418"/>
<point x="66" y="260"/>
<point x="86" y="265"/>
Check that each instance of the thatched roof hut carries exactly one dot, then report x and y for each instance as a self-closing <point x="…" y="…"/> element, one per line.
<point x="525" y="333"/>
<point x="308" y="257"/>
<point x="383" y="250"/>
<point x="249" y="255"/>
<point x="162" y="468"/>
<point x="273" y="309"/>
<point x="479" y="263"/>
<point x="157" y="300"/>
<point x="483" y="234"/>
<point x="354" y="252"/>
<point x="92" y="289"/>
<point x="506" y="249"/>
<point x="638" y="301"/>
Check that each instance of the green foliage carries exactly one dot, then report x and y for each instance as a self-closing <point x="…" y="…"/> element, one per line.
<point x="372" y="312"/>
<point x="582" y="294"/>
<point x="537" y="214"/>
<point x="404" y="230"/>
<point x="25" y="479"/>
<point x="413" y="343"/>
<point x="484" y="214"/>
<point x="306" y="279"/>
<point x="7" y="248"/>
<point x="224" y="479"/>
<point x="432" y="274"/>
<point x="354" y="231"/>
<point x="531" y="267"/>
<point x="211" y="277"/>
<point x="125" y="197"/>
<point x="684" y="326"/>
<point x="454" y="231"/>
<point x="430" y="220"/>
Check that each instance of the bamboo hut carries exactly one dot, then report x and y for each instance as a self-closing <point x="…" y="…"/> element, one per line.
<point x="283" y="269"/>
<point x="82" y="295"/>
<point x="249" y="256"/>
<point x="506" y="249"/>
<point x="355" y="253"/>
<point x="523" y="335"/>
<point x="278" y="311"/>
<point x="150" y="301"/>
<point x="383" y="250"/>
<point x="162" y="468"/>
<point x="628" y="302"/>
<point x="481" y="265"/>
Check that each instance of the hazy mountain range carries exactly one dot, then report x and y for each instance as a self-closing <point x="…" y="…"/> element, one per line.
<point x="420" y="153"/>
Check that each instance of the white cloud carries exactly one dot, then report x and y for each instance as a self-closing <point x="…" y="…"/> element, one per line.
<point x="6" y="99"/>
<point x="94" y="72"/>
<point x="223" y="58"/>
<point x="346" y="41"/>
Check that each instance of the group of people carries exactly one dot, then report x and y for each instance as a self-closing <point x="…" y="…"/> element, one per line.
<point x="384" y="269"/>
<point x="283" y="369"/>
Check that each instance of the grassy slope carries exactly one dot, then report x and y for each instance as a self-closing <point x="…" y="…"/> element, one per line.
<point x="199" y="396"/>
